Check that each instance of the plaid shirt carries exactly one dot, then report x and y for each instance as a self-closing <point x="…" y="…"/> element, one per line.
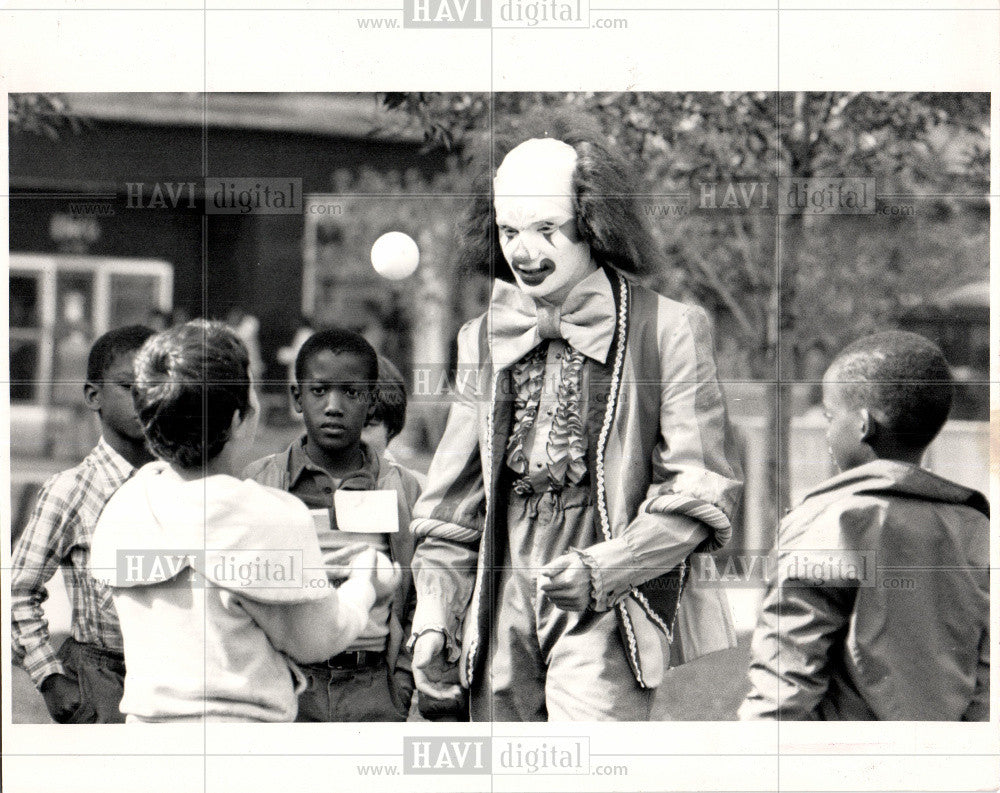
<point x="58" y="534"/>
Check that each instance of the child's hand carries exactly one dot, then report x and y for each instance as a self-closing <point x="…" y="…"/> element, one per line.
<point x="387" y="575"/>
<point x="62" y="697"/>
<point x="376" y="568"/>
<point x="566" y="582"/>
<point x="338" y="562"/>
<point x="363" y="566"/>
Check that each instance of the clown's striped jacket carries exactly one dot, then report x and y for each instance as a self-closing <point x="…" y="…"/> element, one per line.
<point x="660" y="445"/>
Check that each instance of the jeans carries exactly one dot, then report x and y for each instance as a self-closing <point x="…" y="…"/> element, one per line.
<point x="101" y="676"/>
<point x="372" y="693"/>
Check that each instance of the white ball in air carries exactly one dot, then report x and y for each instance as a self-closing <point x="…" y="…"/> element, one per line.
<point x="395" y="255"/>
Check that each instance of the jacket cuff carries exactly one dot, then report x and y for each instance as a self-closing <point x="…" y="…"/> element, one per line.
<point x="431" y="527"/>
<point x="598" y="589"/>
<point x="432" y="615"/>
<point x="627" y="561"/>
<point x="452" y="650"/>
<point x="612" y="568"/>
<point x="720" y="529"/>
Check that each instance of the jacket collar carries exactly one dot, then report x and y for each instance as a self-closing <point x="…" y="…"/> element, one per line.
<point x="364" y="478"/>
<point x="903" y="479"/>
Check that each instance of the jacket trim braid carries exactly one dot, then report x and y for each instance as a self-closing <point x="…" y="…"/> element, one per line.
<point x="602" y="442"/>
<point x="477" y="590"/>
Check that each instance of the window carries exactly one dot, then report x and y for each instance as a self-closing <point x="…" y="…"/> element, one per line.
<point x="60" y="304"/>
<point x="25" y="335"/>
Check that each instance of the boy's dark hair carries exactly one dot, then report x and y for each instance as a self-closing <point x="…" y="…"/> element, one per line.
<point x="605" y="199"/>
<point x="338" y="340"/>
<point x="189" y="380"/>
<point x="902" y="378"/>
<point x="389" y="406"/>
<point x="112" y="344"/>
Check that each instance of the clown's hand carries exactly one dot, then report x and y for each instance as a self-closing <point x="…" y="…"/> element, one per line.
<point x="566" y="582"/>
<point x="432" y="673"/>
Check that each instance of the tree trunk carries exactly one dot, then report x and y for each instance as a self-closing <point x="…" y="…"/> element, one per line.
<point x="430" y="331"/>
<point x="782" y="322"/>
<point x="790" y="242"/>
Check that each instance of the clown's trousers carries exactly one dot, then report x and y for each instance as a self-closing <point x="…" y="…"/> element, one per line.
<point x="545" y="663"/>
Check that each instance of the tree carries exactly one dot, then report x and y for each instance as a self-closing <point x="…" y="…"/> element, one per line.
<point x="40" y="114"/>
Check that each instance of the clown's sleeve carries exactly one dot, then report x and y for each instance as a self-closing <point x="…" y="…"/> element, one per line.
<point x="695" y="482"/>
<point x="448" y="518"/>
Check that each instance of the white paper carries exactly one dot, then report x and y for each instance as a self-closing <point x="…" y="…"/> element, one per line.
<point x="366" y="511"/>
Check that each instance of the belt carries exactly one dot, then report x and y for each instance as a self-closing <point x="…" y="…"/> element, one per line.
<point x="359" y="659"/>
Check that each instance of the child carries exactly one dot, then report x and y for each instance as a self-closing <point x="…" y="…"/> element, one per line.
<point x="82" y="682"/>
<point x="388" y="414"/>
<point x="211" y="574"/>
<point x="837" y="638"/>
<point x="388" y="411"/>
<point x="336" y="373"/>
<point x="583" y="463"/>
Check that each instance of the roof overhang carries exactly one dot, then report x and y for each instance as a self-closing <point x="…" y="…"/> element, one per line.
<point x="358" y="116"/>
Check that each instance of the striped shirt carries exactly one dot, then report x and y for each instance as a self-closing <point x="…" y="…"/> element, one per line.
<point x="58" y="535"/>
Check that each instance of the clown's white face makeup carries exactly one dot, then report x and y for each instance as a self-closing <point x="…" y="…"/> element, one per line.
<point x="535" y="219"/>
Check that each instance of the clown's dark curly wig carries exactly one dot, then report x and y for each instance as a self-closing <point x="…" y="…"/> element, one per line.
<point x="608" y="213"/>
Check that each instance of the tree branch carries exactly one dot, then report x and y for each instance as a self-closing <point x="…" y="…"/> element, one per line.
<point x="723" y="292"/>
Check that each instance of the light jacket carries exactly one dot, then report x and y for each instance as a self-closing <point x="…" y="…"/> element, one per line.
<point x="660" y="446"/>
<point x="385" y="474"/>
<point x="879" y="608"/>
<point x="209" y="630"/>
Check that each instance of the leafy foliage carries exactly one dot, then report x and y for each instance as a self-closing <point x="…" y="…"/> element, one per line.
<point x="40" y="114"/>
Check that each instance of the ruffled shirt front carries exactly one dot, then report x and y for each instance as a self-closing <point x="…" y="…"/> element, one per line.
<point x="547" y="446"/>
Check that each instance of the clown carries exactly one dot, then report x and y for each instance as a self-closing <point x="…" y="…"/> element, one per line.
<point x="579" y="472"/>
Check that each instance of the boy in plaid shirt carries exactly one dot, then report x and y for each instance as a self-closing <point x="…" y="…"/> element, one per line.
<point x="82" y="682"/>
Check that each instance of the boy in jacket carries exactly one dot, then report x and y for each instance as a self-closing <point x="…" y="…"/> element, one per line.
<point x="586" y="456"/>
<point x="880" y="605"/>
<point x="336" y="373"/>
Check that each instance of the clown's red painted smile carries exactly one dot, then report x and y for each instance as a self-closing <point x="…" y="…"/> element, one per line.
<point x="533" y="192"/>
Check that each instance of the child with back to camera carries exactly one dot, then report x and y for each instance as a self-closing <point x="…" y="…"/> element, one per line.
<point x="847" y="640"/>
<point x="203" y="642"/>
